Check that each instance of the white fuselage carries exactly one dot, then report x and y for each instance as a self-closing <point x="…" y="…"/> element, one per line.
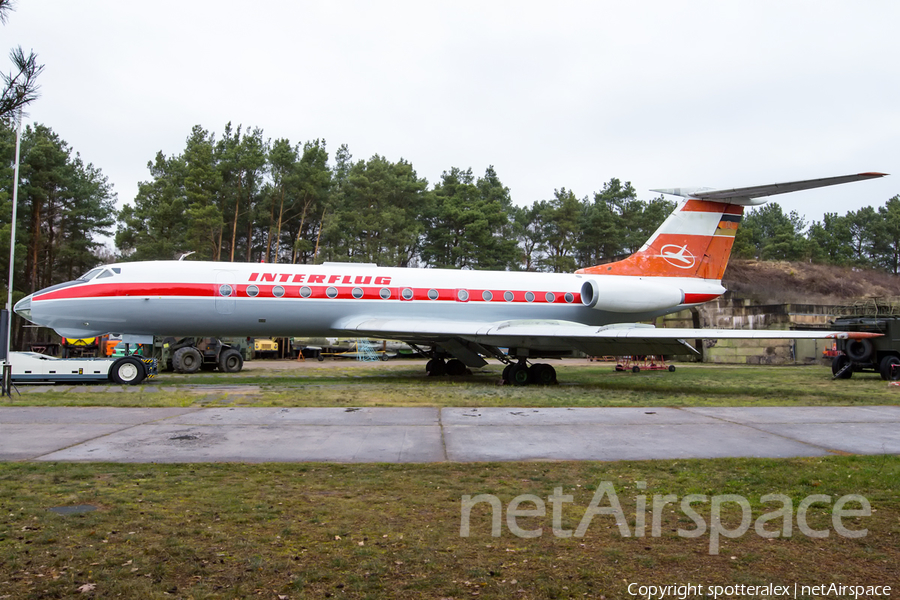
<point x="256" y="299"/>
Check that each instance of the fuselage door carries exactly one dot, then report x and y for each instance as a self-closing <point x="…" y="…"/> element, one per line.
<point x="225" y="292"/>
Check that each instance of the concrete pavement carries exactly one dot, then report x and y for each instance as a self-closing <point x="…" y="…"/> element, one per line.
<point x="423" y="434"/>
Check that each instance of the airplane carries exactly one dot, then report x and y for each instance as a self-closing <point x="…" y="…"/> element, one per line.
<point x="462" y="316"/>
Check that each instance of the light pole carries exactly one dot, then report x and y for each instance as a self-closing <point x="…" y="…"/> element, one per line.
<point x="7" y="367"/>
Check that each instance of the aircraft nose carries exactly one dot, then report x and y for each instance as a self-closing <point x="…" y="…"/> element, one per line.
<point x="23" y="307"/>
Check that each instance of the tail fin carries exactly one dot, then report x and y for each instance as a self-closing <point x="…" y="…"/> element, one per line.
<point x="696" y="239"/>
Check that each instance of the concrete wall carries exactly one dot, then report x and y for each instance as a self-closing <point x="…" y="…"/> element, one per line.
<point x="729" y="312"/>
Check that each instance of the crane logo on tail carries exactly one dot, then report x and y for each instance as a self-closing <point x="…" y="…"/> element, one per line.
<point x="677" y="256"/>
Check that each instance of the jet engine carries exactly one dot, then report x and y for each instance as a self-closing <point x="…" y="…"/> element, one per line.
<point x="630" y="295"/>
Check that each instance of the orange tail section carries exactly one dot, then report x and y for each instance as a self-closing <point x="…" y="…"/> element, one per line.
<point x="694" y="241"/>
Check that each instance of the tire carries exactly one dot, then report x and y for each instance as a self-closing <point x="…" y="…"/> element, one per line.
<point x="542" y="374"/>
<point x="890" y="368"/>
<point x="518" y="375"/>
<point x="506" y="371"/>
<point x="127" y="371"/>
<point x="838" y="363"/>
<point x="859" y="350"/>
<point x="435" y="367"/>
<point x="231" y="361"/>
<point x="384" y="357"/>
<point x="456" y="368"/>
<point x="635" y="369"/>
<point x="187" y="360"/>
<point x="671" y="368"/>
<point x="319" y="357"/>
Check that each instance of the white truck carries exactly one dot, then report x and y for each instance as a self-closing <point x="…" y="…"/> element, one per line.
<point x="31" y="367"/>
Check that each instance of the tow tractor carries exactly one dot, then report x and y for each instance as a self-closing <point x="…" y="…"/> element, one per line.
<point x="28" y="367"/>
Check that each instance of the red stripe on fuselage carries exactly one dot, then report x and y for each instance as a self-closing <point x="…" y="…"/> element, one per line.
<point x="210" y="290"/>
<point x="105" y="290"/>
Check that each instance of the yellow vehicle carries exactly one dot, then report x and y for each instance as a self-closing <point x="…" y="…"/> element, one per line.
<point x="265" y="347"/>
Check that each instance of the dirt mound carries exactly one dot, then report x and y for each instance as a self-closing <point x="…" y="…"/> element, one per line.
<point x="775" y="282"/>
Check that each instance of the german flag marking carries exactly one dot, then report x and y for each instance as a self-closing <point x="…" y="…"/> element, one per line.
<point x="728" y="225"/>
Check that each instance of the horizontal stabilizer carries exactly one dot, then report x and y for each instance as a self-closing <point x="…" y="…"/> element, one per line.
<point x="747" y="196"/>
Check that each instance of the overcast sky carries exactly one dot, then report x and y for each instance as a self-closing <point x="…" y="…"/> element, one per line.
<point x="553" y="94"/>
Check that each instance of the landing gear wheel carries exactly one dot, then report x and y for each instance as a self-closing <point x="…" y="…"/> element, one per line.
<point x="518" y="375"/>
<point x="890" y="368"/>
<point x="837" y="366"/>
<point x="505" y="377"/>
<point x="187" y="360"/>
<point x="435" y="367"/>
<point x="231" y="361"/>
<point x="455" y="368"/>
<point x="542" y="374"/>
<point x="127" y="371"/>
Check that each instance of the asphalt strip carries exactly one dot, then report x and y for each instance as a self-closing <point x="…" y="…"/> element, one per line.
<point x="428" y="434"/>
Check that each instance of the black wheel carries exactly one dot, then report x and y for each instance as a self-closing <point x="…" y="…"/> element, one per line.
<point x="127" y="371"/>
<point x="231" y="361"/>
<point x="436" y="367"/>
<point x="518" y="375"/>
<point x="384" y="356"/>
<point x="635" y="369"/>
<point x="890" y="368"/>
<point x="319" y="357"/>
<point x="456" y="367"/>
<point x="187" y="360"/>
<point x="671" y="368"/>
<point x="542" y="374"/>
<point x="859" y="350"/>
<point x="506" y="371"/>
<point x="838" y="364"/>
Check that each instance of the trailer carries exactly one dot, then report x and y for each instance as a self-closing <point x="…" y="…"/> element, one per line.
<point x="31" y="367"/>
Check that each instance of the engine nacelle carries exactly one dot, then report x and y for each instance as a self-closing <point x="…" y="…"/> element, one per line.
<point x="630" y="295"/>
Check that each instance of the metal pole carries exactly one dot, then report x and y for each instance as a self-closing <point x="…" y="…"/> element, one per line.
<point x="12" y="237"/>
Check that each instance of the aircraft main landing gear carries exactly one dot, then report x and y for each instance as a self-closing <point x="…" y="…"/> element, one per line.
<point x="520" y="373"/>
<point x="438" y="366"/>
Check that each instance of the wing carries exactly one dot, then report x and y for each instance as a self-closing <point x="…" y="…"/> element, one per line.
<point x="465" y="338"/>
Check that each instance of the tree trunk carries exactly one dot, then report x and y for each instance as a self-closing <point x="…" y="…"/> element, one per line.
<point x="237" y="204"/>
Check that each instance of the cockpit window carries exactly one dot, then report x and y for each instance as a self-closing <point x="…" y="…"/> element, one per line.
<point x="104" y="274"/>
<point x="90" y="274"/>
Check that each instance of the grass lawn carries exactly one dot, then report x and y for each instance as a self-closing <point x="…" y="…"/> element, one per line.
<point x="392" y="531"/>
